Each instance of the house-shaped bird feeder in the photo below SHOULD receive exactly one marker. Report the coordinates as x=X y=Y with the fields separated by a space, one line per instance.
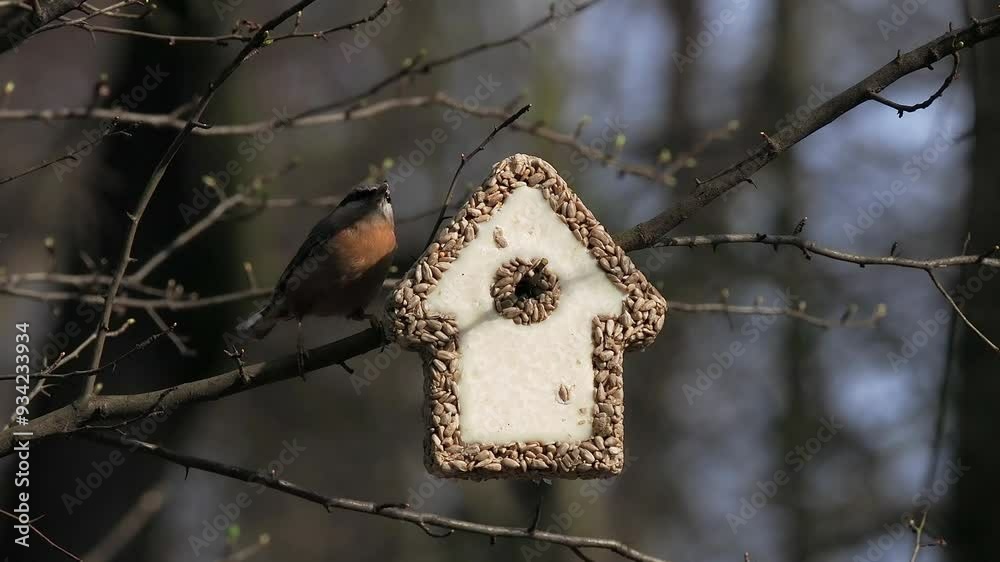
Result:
x=521 y=310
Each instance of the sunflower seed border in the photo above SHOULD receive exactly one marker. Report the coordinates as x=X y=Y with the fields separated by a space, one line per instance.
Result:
x=437 y=339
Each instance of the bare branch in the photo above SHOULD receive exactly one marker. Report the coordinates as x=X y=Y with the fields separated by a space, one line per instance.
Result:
x=186 y=236
x=116 y=408
x=68 y=156
x=664 y=176
x=797 y=313
x=126 y=256
x=647 y=233
x=961 y=314
x=399 y=512
x=222 y=40
x=52 y=543
x=463 y=160
x=17 y=25
x=809 y=248
x=64 y=358
x=135 y=406
x=901 y=108
x=48 y=373
x=415 y=68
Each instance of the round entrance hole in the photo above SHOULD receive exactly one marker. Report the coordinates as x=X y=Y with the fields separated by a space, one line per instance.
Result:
x=525 y=290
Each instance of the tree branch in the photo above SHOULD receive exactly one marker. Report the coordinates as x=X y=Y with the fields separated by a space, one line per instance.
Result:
x=958 y=310
x=399 y=512
x=18 y=24
x=154 y=181
x=415 y=67
x=647 y=233
x=810 y=247
x=222 y=40
x=52 y=543
x=117 y=408
x=796 y=313
x=68 y=156
x=901 y=108
x=663 y=176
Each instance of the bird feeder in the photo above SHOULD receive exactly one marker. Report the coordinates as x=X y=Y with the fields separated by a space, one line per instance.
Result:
x=521 y=310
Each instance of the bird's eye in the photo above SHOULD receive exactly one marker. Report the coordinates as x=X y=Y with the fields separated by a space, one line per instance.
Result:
x=388 y=197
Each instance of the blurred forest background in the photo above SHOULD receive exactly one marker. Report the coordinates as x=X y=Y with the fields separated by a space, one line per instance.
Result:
x=629 y=72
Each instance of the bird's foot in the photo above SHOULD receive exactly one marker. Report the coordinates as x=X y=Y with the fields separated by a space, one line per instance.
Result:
x=301 y=356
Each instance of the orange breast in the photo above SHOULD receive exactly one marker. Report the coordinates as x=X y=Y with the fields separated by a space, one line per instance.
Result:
x=363 y=245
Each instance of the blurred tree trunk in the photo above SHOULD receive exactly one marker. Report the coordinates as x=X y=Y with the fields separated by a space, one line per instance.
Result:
x=782 y=86
x=113 y=185
x=976 y=525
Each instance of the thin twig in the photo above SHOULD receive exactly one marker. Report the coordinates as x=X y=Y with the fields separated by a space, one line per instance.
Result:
x=126 y=255
x=919 y=531
x=47 y=374
x=464 y=159
x=902 y=108
x=810 y=247
x=182 y=347
x=648 y=232
x=315 y=118
x=221 y=40
x=419 y=518
x=757 y=310
x=428 y=66
x=127 y=407
x=41 y=385
x=185 y=237
x=68 y=156
x=961 y=314
x=54 y=545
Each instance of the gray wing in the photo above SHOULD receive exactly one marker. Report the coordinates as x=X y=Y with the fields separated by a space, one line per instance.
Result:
x=338 y=219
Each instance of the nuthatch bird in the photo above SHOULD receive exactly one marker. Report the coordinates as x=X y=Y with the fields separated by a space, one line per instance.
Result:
x=339 y=268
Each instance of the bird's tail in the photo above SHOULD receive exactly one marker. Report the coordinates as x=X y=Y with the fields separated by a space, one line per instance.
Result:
x=260 y=323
